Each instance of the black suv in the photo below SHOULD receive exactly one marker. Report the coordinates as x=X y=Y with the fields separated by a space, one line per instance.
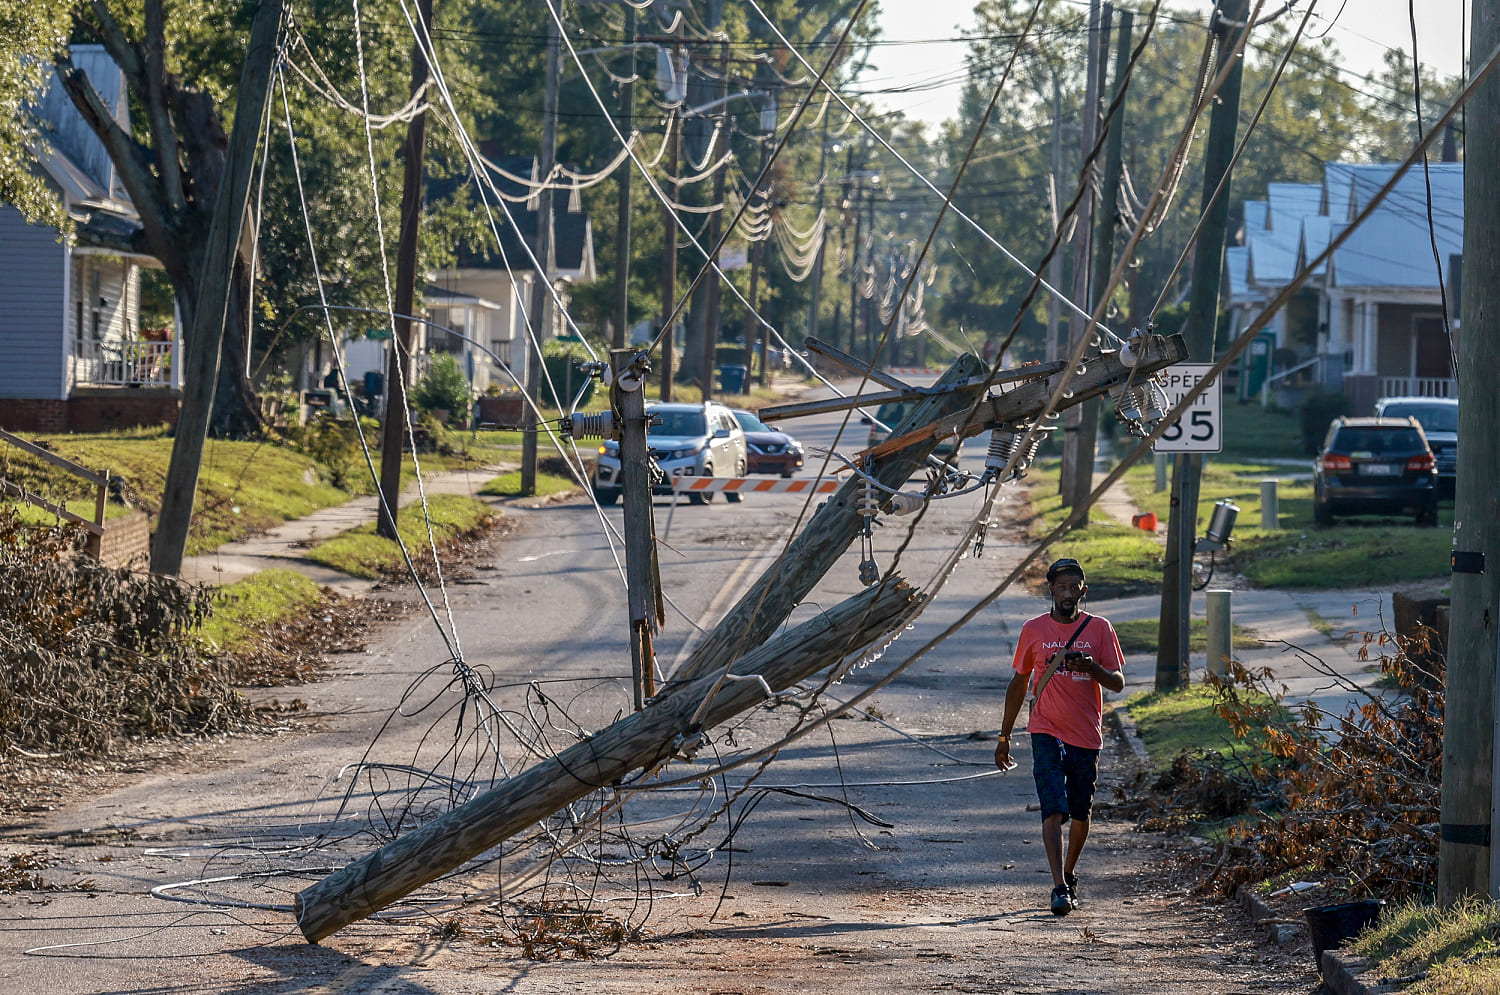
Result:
x=1375 y=466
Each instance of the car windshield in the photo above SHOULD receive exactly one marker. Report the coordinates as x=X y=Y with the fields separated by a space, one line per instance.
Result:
x=750 y=423
x=890 y=415
x=1432 y=417
x=683 y=423
x=1375 y=440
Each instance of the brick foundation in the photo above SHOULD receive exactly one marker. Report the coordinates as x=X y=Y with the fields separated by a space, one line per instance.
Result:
x=126 y=541
x=91 y=410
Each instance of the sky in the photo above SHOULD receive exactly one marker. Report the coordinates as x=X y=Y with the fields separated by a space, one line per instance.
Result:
x=1363 y=29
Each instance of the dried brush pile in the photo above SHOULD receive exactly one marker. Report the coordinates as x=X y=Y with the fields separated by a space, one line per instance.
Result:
x=1351 y=800
x=94 y=655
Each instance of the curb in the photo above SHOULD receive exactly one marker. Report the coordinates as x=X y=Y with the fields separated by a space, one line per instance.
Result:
x=1341 y=972
x=1129 y=733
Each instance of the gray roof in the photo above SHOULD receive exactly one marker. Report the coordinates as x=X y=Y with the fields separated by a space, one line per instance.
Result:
x=1393 y=247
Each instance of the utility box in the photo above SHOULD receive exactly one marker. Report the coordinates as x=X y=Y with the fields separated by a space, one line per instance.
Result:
x=1256 y=366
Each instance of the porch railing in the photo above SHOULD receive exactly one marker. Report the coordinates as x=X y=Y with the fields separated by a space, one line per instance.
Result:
x=1418 y=387
x=122 y=364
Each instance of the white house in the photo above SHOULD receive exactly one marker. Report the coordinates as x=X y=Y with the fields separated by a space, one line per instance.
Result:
x=1370 y=321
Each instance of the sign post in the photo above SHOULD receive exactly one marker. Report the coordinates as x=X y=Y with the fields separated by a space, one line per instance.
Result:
x=1200 y=429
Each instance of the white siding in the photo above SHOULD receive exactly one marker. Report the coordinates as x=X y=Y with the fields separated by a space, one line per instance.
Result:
x=33 y=331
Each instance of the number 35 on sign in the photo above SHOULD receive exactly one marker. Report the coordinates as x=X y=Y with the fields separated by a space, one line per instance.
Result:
x=1199 y=429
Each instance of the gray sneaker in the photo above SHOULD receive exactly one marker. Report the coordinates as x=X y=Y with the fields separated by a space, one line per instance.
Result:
x=1062 y=902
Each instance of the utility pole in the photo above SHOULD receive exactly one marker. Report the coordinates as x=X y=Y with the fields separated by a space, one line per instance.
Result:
x=815 y=292
x=757 y=252
x=627 y=398
x=854 y=252
x=1083 y=232
x=398 y=371
x=622 y=215
x=669 y=254
x=1104 y=254
x=1203 y=315
x=540 y=314
x=713 y=281
x=1055 y=266
x=869 y=302
x=1467 y=857
x=213 y=304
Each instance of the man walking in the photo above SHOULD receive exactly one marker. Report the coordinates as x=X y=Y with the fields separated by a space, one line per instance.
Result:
x=1065 y=656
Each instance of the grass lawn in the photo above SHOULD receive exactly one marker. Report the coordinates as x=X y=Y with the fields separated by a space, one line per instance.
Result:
x=1120 y=560
x=1367 y=551
x=243 y=487
x=260 y=599
x=1139 y=636
x=1173 y=721
x=360 y=552
x=509 y=485
x=1447 y=951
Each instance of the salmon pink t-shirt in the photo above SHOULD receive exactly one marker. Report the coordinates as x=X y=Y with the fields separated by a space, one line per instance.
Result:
x=1072 y=704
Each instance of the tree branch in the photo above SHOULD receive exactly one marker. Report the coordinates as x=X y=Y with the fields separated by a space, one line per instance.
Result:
x=123 y=150
x=154 y=97
x=116 y=42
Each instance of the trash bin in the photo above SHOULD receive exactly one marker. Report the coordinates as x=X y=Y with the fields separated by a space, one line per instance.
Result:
x=1330 y=925
x=732 y=379
x=374 y=384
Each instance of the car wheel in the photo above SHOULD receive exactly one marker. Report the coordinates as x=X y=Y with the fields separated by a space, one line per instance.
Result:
x=734 y=497
x=606 y=497
x=1428 y=516
x=1322 y=515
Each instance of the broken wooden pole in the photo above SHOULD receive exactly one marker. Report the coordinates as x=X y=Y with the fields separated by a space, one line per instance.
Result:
x=640 y=740
x=828 y=534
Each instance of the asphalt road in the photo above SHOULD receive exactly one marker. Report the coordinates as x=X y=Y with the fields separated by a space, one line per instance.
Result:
x=882 y=851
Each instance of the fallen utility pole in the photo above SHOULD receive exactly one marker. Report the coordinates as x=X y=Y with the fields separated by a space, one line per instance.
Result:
x=827 y=535
x=639 y=741
x=946 y=411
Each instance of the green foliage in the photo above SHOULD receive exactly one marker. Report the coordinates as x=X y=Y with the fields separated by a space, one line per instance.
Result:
x=443 y=387
x=1318 y=410
x=1188 y=721
x=334 y=443
x=30 y=30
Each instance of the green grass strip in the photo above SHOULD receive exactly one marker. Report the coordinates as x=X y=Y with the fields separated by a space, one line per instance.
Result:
x=509 y=485
x=360 y=552
x=258 y=600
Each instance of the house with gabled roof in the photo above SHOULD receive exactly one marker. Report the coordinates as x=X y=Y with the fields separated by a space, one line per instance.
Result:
x=77 y=358
x=489 y=288
x=1371 y=321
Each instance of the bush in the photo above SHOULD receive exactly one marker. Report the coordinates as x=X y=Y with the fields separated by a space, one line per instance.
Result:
x=444 y=387
x=1318 y=410
x=561 y=357
x=334 y=444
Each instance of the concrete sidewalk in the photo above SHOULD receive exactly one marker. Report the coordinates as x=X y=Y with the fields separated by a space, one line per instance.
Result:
x=1311 y=640
x=285 y=545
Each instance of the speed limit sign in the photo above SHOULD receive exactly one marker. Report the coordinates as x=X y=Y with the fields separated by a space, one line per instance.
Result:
x=1199 y=430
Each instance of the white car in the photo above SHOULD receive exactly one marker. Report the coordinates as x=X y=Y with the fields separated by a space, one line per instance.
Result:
x=687 y=440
